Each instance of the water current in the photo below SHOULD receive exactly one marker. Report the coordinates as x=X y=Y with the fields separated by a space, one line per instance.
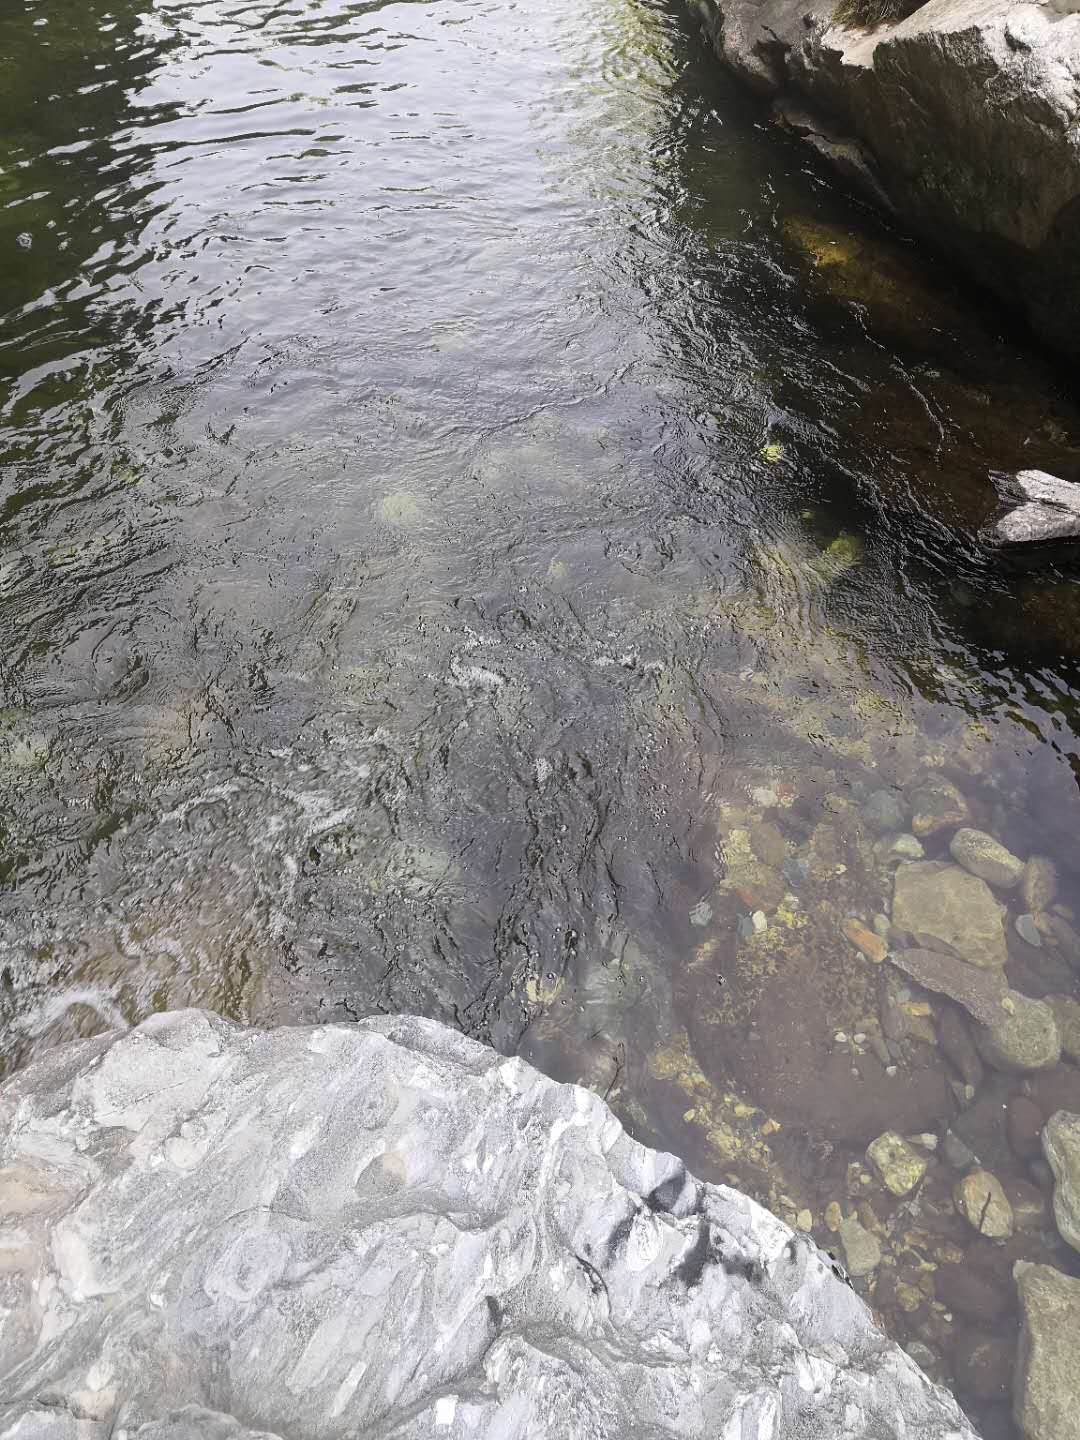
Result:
x=488 y=529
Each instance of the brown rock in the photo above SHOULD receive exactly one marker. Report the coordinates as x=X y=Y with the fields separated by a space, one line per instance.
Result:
x=979 y=1197
x=936 y=899
x=1024 y=1122
x=865 y=941
x=937 y=804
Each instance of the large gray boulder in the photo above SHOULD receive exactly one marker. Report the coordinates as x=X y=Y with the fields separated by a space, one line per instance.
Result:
x=389 y=1230
x=964 y=118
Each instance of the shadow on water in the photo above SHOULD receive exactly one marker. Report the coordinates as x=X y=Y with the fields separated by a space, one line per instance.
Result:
x=489 y=530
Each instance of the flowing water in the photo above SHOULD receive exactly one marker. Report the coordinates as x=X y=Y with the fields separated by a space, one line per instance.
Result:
x=489 y=530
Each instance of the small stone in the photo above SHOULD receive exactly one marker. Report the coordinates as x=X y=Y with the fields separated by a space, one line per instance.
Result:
x=765 y=797
x=881 y=925
x=759 y=922
x=884 y=810
x=899 y=1166
x=954 y=1037
x=833 y=1216
x=1040 y=883
x=1067 y=1014
x=865 y=941
x=928 y=1140
x=862 y=1252
x=984 y=1204
x=1044 y=1402
x=804 y=1220
x=1025 y=1038
x=907 y=847
x=937 y=805
x=1028 y=931
x=983 y=856
x=948 y=904
x=840 y=1037
x=701 y=914
x=1023 y=1123
x=908 y=1297
x=1061 y=1146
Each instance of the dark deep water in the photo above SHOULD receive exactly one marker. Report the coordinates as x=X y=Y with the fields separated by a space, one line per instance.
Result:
x=480 y=518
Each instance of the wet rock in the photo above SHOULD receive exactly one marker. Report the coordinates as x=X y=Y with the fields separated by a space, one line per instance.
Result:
x=865 y=941
x=701 y=914
x=1042 y=508
x=768 y=844
x=949 y=904
x=1040 y=883
x=1025 y=1038
x=937 y=805
x=954 y=1037
x=862 y=1252
x=1067 y=1014
x=984 y=1205
x=983 y=1365
x=899 y=1165
x=972 y=1291
x=983 y=856
x=979 y=992
x=1028 y=931
x=899 y=848
x=1048 y=1360
x=884 y=810
x=1024 y=1122
x=359 y=1230
x=1061 y=1146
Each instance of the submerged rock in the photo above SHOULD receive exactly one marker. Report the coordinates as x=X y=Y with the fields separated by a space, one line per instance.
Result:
x=983 y=856
x=984 y=1204
x=1061 y=1146
x=980 y=992
x=897 y=1162
x=862 y=1250
x=1067 y=1014
x=944 y=902
x=1024 y=1038
x=388 y=1228
x=937 y=805
x=1048 y=1361
x=1040 y=883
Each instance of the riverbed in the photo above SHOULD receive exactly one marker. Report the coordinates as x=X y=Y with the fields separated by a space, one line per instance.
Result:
x=489 y=529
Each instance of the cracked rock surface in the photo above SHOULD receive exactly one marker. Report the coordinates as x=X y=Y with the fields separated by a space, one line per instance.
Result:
x=964 y=118
x=390 y=1230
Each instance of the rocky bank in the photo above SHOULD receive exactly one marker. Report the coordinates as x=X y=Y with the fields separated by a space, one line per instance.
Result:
x=964 y=118
x=389 y=1230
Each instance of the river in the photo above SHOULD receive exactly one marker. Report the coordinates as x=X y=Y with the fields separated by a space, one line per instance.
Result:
x=489 y=529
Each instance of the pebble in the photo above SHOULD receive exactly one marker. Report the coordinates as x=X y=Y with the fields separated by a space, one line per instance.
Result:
x=764 y=796
x=759 y=922
x=804 y=1220
x=872 y=946
x=937 y=805
x=881 y=925
x=796 y=871
x=898 y=1164
x=983 y=856
x=1028 y=930
x=833 y=1216
x=907 y=847
x=862 y=1252
x=984 y=1204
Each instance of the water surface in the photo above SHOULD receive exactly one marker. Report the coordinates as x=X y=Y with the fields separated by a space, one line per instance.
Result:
x=481 y=515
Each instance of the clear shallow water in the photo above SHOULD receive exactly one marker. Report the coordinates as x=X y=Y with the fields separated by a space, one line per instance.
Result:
x=473 y=498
